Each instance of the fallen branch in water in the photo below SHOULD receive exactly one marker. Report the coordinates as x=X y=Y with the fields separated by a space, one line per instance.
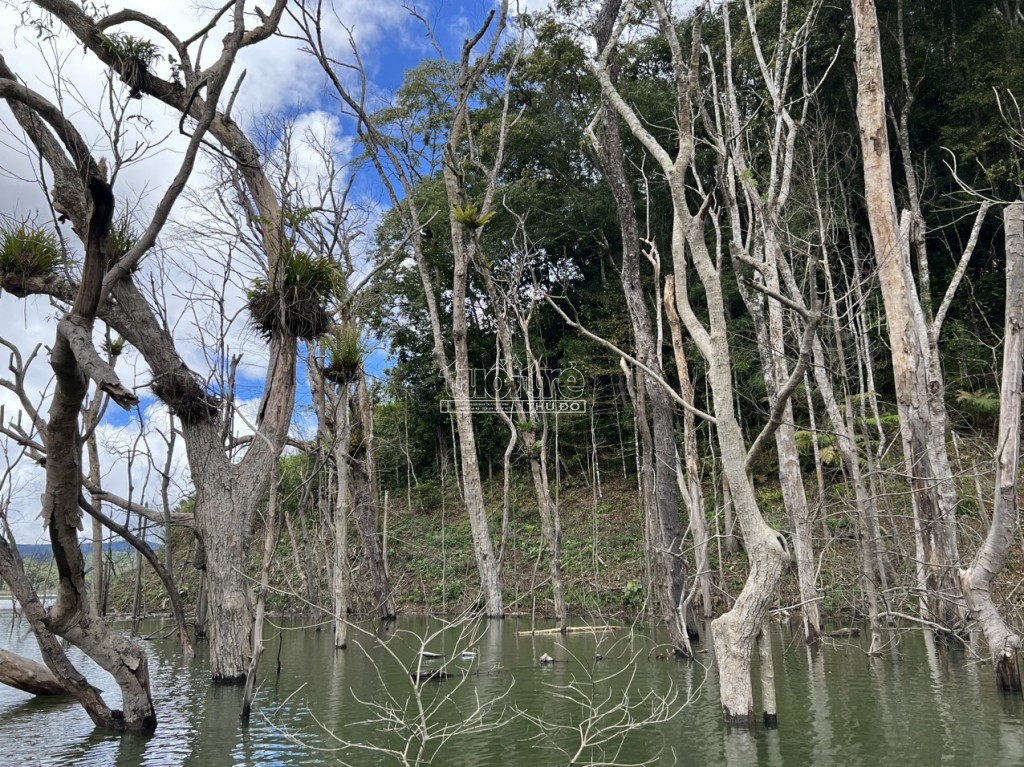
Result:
x=28 y=676
x=571 y=630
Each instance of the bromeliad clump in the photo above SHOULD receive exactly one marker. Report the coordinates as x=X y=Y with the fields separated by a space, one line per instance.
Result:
x=299 y=306
x=28 y=251
x=343 y=348
x=133 y=57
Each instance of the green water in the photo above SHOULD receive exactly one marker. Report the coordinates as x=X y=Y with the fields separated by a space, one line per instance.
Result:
x=918 y=705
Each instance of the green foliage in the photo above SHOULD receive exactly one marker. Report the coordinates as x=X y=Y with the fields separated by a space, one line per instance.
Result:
x=827 y=450
x=634 y=595
x=470 y=217
x=309 y=285
x=113 y=346
x=121 y=238
x=345 y=349
x=128 y=47
x=28 y=250
x=888 y=421
x=133 y=58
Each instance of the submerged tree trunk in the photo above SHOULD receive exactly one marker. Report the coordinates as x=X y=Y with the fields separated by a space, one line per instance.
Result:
x=466 y=246
x=735 y=633
x=771 y=349
x=270 y=537
x=74 y=361
x=976 y=581
x=28 y=676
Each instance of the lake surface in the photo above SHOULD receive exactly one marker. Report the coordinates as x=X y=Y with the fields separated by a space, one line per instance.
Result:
x=918 y=705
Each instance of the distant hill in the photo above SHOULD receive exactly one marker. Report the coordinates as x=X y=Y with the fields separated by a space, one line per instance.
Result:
x=43 y=550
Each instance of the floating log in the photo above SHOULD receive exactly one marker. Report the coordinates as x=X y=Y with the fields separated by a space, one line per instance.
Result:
x=570 y=630
x=28 y=676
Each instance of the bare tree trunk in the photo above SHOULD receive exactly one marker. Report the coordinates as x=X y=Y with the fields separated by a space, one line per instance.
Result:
x=401 y=172
x=770 y=710
x=735 y=633
x=466 y=245
x=692 y=490
x=226 y=492
x=756 y=200
x=342 y=505
x=97 y=564
x=771 y=349
x=366 y=495
x=663 y=515
x=976 y=581
x=270 y=538
x=69 y=677
x=28 y=676
x=74 y=362
x=922 y=421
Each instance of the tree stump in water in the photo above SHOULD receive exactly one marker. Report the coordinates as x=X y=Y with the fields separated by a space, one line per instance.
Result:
x=28 y=676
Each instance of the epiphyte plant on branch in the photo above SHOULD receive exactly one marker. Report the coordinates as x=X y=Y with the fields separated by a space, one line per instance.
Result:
x=134 y=56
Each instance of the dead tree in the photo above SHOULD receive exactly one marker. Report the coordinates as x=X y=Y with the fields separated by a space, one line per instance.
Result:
x=976 y=581
x=737 y=632
x=660 y=465
x=227 y=490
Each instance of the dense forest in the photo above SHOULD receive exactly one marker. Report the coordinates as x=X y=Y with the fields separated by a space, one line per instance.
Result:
x=707 y=312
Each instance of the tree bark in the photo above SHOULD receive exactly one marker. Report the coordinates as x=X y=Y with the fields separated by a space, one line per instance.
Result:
x=57 y=661
x=918 y=387
x=28 y=676
x=691 y=480
x=735 y=633
x=663 y=514
x=226 y=492
x=364 y=475
x=342 y=508
x=976 y=581
x=270 y=538
x=466 y=246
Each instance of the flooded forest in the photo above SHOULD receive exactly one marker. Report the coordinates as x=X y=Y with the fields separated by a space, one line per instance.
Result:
x=576 y=382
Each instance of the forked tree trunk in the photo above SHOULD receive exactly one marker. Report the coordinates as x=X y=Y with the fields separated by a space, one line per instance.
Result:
x=771 y=349
x=522 y=390
x=465 y=244
x=74 y=361
x=756 y=195
x=976 y=581
x=735 y=633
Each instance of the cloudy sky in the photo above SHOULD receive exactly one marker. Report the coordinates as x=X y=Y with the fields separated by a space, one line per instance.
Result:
x=280 y=80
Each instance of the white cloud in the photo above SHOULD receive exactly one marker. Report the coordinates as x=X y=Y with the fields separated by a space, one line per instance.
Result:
x=190 y=275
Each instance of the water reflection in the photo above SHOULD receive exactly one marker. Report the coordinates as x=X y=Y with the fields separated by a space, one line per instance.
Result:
x=919 y=704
